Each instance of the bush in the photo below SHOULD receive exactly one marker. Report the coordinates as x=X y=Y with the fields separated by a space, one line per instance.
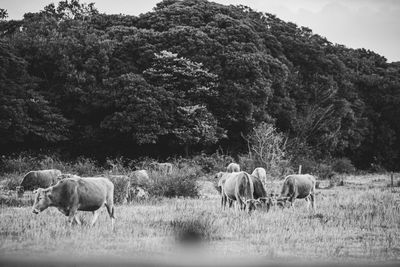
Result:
x=12 y=181
x=181 y=182
x=120 y=165
x=213 y=163
x=85 y=167
x=343 y=165
x=20 y=164
x=324 y=171
x=121 y=188
x=307 y=166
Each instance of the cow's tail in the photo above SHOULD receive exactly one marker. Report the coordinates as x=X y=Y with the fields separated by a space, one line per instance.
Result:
x=249 y=189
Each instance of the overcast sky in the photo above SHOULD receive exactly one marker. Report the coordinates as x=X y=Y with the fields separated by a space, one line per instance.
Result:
x=371 y=24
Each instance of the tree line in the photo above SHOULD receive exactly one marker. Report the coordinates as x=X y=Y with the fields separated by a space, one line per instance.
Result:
x=190 y=76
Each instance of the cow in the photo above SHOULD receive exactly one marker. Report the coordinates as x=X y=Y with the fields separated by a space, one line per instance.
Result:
x=233 y=167
x=35 y=179
x=259 y=194
x=72 y=194
x=260 y=173
x=140 y=178
x=162 y=167
x=301 y=186
x=258 y=190
x=238 y=186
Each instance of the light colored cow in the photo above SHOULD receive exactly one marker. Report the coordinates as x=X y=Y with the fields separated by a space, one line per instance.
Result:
x=233 y=167
x=238 y=187
x=139 y=178
x=73 y=194
x=300 y=186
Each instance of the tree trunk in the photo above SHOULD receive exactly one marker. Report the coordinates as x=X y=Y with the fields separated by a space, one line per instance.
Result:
x=187 y=150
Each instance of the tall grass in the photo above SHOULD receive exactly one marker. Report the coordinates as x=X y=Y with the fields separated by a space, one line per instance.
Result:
x=351 y=223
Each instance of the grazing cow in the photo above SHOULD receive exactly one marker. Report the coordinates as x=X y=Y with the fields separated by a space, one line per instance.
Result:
x=238 y=186
x=233 y=167
x=258 y=190
x=300 y=186
x=260 y=173
x=259 y=194
x=35 y=179
x=73 y=194
x=162 y=167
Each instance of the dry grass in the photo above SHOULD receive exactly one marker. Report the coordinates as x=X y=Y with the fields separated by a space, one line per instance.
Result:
x=355 y=222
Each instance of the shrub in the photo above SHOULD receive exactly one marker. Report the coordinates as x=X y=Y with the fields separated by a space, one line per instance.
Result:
x=343 y=165
x=307 y=165
x=120 y=165
x=324 y=171
x=85 y=167
x=181 y=182
x=213 y=163
x=21 y=164
x=12 y=181
x=121 y=188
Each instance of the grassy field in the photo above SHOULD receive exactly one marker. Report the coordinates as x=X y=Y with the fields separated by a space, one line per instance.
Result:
x=359 y=221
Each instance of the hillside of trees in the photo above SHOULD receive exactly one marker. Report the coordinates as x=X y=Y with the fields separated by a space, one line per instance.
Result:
x=191 y=76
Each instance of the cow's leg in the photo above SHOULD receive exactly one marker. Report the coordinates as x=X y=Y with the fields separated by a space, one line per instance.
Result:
x=230 y=203
x=110 y=210
x=76 y=219
x=307 y=199
x=96 y=214
x=223 y=201
x=72 y=217
x=312 y=198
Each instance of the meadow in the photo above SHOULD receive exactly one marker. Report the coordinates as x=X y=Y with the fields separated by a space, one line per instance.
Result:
x=358 y=222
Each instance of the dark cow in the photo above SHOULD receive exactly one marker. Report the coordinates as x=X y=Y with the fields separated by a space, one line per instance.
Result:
x=238 y=187
x=233 y=167
x=259 y=194
x=35 y=179
x=260 y=173
x=73 y=194
x=300 y=186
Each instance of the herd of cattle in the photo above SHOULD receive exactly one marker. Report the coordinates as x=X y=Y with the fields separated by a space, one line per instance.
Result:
x=70 y=193
x=248 y=193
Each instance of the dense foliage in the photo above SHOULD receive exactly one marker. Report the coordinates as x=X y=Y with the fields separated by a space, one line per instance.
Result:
x=190 y=76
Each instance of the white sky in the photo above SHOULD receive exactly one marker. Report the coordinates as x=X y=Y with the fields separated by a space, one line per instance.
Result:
x=371 y=24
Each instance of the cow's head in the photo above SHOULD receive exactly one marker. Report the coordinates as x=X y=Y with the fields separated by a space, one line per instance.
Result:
x=42 y=199
x=252 y=204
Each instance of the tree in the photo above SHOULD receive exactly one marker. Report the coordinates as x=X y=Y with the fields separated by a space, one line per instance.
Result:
x=188 y=87
x=267 y=147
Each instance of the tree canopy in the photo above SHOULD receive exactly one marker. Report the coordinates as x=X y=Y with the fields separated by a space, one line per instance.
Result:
x=191 y=76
